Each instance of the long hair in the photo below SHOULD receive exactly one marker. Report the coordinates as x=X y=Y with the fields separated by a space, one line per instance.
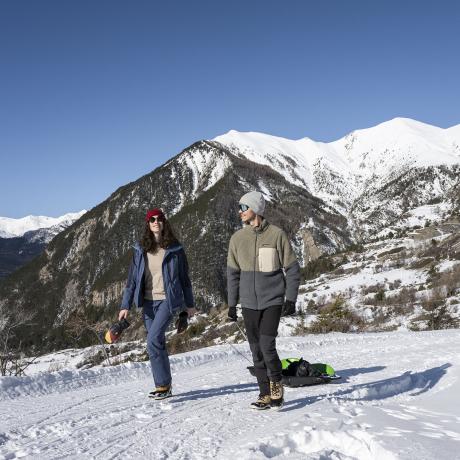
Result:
x=148 y=242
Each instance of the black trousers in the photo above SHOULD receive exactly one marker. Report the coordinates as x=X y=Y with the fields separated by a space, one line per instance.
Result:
x=262 y=329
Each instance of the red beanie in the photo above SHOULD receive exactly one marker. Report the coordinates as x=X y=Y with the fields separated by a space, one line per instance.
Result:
x=154 y=212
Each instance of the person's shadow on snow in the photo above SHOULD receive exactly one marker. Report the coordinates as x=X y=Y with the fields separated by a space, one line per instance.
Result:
x=345 y=374
x=213 y=392
x=417 y=383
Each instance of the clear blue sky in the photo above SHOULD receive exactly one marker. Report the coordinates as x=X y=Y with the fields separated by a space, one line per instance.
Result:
x=94 y=94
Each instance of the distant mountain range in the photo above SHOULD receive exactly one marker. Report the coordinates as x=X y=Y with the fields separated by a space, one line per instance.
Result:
x=327 y=196
x=23 y=239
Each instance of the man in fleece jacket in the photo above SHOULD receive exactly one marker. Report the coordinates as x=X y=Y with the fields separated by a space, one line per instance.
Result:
x=263 y=275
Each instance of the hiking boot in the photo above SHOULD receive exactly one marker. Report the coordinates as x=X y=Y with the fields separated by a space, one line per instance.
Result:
x=161 y=392
x=276 y=394
x=262 y=403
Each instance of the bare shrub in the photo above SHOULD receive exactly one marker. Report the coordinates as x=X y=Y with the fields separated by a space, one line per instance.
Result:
x=202 y=334
x=390 y=252
x=12 y=361
x=380 y=295
x=339 y=271
x=335 y=316
x=380 y=320
x=432 y=250
x=405 y=296
x=79 y=326
x=394 y=285
x=400 y=303
x=421 y=263
x=312 y=307
x=450 y=280
x=438 y=318
x=371 y=289
x=436 y=314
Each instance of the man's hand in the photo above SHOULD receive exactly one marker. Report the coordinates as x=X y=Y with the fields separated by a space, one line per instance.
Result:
x=123 y=314
x=288 y=308
x=231 y=315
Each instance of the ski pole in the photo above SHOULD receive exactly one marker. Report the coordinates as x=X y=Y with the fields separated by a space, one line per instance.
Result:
x=238 y=351
x=241 y=330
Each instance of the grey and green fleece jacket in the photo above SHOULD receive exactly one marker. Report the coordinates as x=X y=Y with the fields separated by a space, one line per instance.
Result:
x=255 y=263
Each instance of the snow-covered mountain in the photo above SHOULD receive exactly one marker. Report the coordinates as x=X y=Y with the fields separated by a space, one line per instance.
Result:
x=12 y=228
x=327 y=196
x=349 y=173
x=23 y=239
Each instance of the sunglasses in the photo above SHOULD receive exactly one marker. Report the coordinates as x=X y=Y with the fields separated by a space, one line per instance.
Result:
x=243 y=207
x=155 y=219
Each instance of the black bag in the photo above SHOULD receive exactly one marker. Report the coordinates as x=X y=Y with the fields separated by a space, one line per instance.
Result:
x=301 y=368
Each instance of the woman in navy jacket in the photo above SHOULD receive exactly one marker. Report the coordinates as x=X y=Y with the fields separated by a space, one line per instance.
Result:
x=158 y=282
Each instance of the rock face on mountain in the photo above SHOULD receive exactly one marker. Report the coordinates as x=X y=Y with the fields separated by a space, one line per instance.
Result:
x=326 y=197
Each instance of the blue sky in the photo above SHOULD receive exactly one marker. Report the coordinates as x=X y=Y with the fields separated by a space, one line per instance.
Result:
x=94 y=94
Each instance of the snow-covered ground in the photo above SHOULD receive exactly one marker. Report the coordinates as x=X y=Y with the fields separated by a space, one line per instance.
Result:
x=398 y=398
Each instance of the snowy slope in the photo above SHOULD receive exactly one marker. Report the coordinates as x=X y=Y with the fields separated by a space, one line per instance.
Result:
x=10 y=228
x=398 y=398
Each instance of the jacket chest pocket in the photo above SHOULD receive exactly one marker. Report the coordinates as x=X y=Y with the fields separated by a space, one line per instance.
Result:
x=269 y=260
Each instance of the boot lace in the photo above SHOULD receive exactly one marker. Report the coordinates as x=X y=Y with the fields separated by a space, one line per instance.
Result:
x=276 y=388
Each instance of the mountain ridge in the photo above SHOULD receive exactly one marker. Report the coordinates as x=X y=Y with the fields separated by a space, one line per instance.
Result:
x=13 y=228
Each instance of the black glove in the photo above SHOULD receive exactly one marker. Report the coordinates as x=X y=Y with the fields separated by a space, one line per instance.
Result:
x=288 y=308
x=232 y=316
x=182 y=322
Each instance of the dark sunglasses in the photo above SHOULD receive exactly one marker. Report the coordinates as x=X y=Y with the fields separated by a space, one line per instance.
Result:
x=155 y=219
x=243 y=207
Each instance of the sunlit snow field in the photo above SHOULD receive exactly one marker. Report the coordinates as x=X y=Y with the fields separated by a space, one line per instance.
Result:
x=399 y=397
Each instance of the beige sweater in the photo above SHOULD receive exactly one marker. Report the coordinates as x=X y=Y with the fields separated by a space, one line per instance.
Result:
x=154 y=287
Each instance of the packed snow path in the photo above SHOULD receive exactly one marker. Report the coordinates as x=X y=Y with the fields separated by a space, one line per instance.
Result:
x=399 y=397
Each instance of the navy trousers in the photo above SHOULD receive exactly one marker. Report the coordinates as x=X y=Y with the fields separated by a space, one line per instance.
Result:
x=156 y=319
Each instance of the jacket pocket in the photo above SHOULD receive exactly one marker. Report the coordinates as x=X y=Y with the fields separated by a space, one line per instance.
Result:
x=269 y=260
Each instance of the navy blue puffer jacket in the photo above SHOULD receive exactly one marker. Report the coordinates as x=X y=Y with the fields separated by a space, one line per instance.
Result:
x=177 y=285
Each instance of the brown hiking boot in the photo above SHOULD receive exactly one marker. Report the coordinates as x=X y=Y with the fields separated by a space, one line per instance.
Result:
x=263 y=402
x=276 y=394
x=161 y=392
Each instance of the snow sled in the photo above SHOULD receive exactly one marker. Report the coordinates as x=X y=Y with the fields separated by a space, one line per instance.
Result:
x=299 y=373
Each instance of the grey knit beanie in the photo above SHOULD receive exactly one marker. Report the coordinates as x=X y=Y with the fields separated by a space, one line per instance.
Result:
x=255 y=200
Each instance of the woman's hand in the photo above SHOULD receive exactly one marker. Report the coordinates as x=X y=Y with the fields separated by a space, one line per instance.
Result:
x=123 y=314
x=191 y=311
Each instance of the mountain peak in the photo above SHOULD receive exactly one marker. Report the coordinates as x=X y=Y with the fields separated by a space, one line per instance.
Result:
x=409 y=123
x=11 y=228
